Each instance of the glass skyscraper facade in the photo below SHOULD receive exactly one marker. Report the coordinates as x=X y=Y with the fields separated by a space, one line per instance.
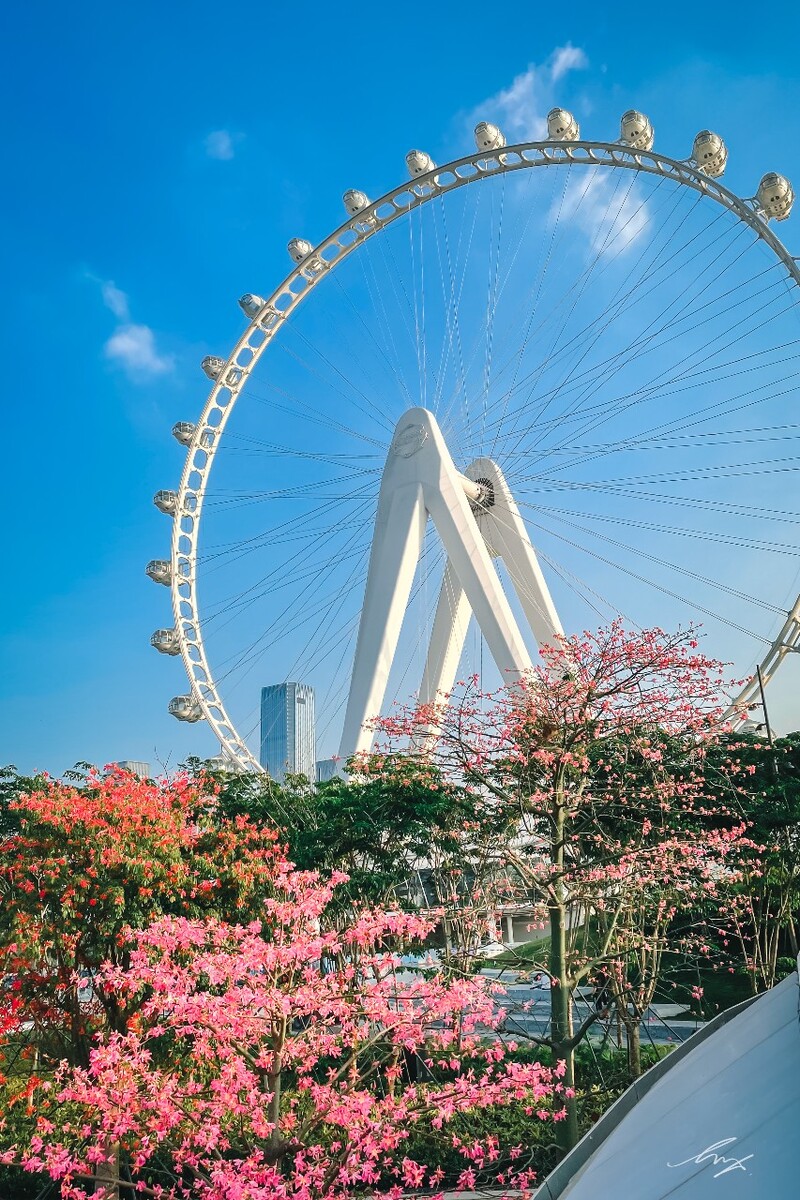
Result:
x=288 y=742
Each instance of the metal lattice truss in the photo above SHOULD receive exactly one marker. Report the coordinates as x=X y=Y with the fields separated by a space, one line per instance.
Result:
x=787 y=641
x=424 y=481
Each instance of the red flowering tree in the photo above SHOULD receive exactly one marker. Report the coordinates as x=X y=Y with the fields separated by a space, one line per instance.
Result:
x=277 y=1060
x=79 y=866
x=596 y=761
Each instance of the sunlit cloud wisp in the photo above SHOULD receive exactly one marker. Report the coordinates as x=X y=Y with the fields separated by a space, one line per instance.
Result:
x=133 y=347
x=521 y=108
x=221 y=144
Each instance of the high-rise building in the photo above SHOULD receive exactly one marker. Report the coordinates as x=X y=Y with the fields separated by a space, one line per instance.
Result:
x=288 y=743
x=142 y=769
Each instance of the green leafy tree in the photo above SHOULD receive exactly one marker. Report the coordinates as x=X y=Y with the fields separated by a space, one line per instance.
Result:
x=386 y=826
x=766 y=791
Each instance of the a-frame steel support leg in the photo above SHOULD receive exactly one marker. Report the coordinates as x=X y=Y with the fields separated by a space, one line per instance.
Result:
x=421 y=480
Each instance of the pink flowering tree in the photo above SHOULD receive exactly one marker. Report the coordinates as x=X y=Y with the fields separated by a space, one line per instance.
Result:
x=279 y=1059
x=595 y=761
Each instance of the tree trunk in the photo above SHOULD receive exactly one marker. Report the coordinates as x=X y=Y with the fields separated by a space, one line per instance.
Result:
x=561 y=1024
x=567 y=1130
x=634 y=1044
x=107 y=1173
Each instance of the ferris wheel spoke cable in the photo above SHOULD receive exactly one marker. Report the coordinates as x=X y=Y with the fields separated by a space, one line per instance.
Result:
x=574 y=345
x=449 y=416
x=554 y=315
x=647 y=346
x=397 y=283
x=236 y=550
x=643 y=396
x=310 y=644
x=417 y=334
x=688 y=319
x=695 y=474
x=451 y=331
x=492 y=280
x=335 y=695
x=539 y=282
x=250 y=446
x=727 y=508
x=286 y=533
x=451 y=302
x=388 y=349
x=665 y=437
x=302 y=598
x=726 y=407
x=768 y=394
x=351 y=353
x=233 y=499
x=681 y=531
x=661 y=263
x=230 y=605
x=378 y=414
x=297 y=407
x=673 y=567
x=583 y=590
x=654 y=585
x=525 y=216
x=468 y=427
x=290 y=616
x=587 y=274
x=319 y=414
x=691 y=377
x=291 y=613
x=647 y=343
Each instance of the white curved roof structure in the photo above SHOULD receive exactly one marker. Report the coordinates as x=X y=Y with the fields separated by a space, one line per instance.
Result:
x=718 y=1117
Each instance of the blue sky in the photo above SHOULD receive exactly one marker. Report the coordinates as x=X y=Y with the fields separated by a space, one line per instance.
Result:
x=158 y=158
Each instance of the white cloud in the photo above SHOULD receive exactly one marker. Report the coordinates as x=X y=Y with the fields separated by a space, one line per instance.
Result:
x=521 y=109
x=115 y=299
x=611 y=216
x=133 y=347
x=567 y=58
x=221 y=144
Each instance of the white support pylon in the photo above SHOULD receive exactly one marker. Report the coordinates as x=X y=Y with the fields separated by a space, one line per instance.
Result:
x=421 y=480
x=503 y=529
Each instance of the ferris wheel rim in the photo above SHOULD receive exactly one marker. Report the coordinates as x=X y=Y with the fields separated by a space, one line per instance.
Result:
x=301 y=281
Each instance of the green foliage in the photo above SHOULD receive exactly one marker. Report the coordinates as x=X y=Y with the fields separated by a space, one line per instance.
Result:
x=376 y=827
x=604 y=1077
x=12 y=786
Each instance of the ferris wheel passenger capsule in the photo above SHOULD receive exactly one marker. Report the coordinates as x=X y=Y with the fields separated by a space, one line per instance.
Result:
x=212 y=366
x=299 y=248
x=185 y=708
x=354 y=201
x=710 y=153
x=418 y=162
x=165 y=641
x=775 y=196
x=166 y=502
x=159 y=571
x=488 y=136
x=562 y=126
x=183 y=432
x=636 y=131
x=251 y=305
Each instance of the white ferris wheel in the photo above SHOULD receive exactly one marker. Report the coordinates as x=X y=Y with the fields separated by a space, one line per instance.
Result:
x=524 y=392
